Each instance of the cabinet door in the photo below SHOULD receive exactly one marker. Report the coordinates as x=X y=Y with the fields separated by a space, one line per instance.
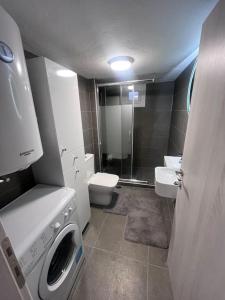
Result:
x=81 y=184
x=76 y=178
x=78 y=182
x=66 y=106
x=68 y=159
x=81 y=189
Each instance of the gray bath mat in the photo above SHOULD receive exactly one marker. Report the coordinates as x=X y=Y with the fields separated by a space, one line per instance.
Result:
x=119 y=204
x=147 y=230
x=146 y=215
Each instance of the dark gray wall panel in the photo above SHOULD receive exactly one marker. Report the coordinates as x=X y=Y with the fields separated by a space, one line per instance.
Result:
x=179 y=113
x=19 y=183
x=88 y=114
x=152 y=128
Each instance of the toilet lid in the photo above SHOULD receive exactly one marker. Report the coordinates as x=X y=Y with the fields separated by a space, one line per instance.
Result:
x=104 y=179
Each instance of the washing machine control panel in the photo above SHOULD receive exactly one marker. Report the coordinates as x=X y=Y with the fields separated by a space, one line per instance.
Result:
x=32 y=256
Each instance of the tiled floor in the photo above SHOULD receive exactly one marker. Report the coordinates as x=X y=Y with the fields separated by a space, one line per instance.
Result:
x=118 y=269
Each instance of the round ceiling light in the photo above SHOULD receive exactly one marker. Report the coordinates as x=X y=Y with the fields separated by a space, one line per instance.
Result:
x=121 y=63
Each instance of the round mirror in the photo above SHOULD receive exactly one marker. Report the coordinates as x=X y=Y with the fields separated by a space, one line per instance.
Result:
x=190 y=87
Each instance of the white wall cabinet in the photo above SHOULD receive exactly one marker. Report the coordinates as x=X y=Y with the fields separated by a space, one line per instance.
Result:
x=57 y=105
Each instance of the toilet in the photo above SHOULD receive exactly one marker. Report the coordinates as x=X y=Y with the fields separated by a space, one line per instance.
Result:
x=100 y=185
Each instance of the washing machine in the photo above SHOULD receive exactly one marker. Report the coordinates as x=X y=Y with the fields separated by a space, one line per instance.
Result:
x=43 y=235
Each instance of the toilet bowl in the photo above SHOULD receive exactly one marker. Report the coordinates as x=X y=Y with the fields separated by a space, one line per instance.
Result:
x=100 y=185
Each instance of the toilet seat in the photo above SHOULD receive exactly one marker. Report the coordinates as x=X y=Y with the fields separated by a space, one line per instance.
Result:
x=104 y=180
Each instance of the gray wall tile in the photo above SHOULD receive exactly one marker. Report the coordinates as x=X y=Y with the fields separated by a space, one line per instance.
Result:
x=179 y=114
x=19 y=183
x=152 y=125
x=88 y=115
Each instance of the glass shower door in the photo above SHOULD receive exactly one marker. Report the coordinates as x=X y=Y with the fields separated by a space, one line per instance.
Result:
x=116 y=117
x=133 y=101
x=134 y=128
x=122 y=110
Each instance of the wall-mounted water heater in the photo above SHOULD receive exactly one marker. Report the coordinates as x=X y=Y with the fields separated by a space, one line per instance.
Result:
x=20 y=143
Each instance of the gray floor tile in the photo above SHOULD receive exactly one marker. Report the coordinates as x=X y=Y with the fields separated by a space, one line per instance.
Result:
x=165 y=208
x=90 y=236
x=158 y=256
x=92 y=232
x=171 y=205
x=168 y=224
x=97 y=217
x=134 y=250
x=130 y=280
x=159 y=284
x=112 y=233
x=87 y=251
x=97 y=281
x=118 y=269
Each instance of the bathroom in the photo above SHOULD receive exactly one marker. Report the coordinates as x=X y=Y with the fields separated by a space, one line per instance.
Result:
x=116 y=191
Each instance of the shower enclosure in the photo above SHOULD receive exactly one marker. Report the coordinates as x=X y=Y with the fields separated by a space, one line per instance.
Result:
x=128 y=128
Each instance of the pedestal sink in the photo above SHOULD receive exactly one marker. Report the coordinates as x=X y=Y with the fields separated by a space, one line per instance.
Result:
x=164 y=182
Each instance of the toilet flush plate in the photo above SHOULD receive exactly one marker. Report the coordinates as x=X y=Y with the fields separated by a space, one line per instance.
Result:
x=164 y=182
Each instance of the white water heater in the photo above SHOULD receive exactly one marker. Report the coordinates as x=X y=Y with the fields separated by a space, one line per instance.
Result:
x=20 y=142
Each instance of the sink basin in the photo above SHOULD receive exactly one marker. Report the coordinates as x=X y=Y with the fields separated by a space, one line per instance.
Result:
x=164 y=182
x=172 y=162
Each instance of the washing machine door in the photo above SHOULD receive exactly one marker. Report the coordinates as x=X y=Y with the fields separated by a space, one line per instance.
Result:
x=60 y=263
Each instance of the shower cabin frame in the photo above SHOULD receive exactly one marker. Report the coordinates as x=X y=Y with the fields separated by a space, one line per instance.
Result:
x=120 y=84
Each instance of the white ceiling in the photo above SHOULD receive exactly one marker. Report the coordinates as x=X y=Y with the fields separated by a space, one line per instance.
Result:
x=85 y=34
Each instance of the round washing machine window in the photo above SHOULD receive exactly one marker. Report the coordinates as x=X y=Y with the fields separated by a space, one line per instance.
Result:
x=61 y=258
x=60 y=263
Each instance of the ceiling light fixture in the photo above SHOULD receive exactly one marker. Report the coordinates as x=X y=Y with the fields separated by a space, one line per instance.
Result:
x=65 y=73
x=130 y=87
x=121 y=63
